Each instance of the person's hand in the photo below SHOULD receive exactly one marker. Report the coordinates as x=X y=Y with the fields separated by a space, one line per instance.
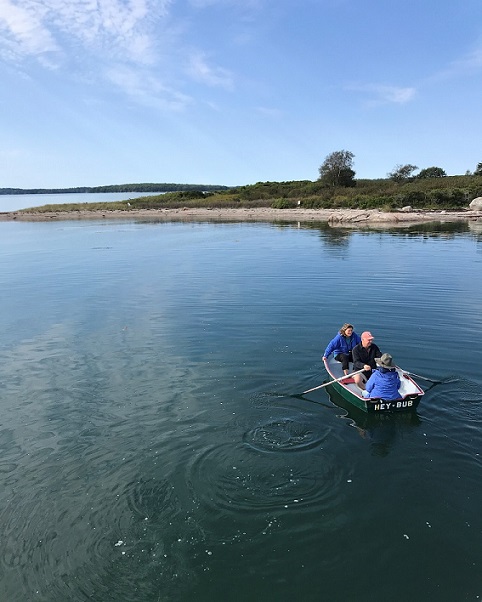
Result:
x=323 y=358
x=367 y=367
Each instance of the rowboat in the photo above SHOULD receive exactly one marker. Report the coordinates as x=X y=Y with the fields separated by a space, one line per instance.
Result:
x=410 y=392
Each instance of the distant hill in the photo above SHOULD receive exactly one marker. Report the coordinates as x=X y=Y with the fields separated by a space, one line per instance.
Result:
x=145 y=187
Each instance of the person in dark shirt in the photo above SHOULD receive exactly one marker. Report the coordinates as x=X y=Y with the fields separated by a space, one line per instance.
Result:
x=364 y=356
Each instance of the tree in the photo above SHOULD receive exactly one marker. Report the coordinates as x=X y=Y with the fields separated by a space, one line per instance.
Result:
x=402 y=172
x=431 y=172
x=478 y=170
x=337 y=169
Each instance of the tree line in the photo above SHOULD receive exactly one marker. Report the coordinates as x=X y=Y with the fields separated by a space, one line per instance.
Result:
x=145 y=187
x=337 y=170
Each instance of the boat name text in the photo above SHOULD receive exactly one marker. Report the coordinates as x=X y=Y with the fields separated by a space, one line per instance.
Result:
x=393 y=405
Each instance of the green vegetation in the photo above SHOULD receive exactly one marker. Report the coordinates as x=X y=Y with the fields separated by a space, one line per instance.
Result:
x=401 y=173
x=448 y=193
x=432 y=172
x=336 y=188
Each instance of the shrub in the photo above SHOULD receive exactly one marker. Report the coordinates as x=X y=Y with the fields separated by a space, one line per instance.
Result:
x=283 y=204
x=415 y=198
x=459 y=198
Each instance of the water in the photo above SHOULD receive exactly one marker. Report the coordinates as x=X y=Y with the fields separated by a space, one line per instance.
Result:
x=153 y=443
x=15 y=202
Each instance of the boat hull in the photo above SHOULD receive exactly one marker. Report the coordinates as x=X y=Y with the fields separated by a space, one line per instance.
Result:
x=377 y=406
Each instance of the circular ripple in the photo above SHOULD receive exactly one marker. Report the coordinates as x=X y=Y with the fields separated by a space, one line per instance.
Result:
x=152 y=500
x=282 y=435
x=231 y=479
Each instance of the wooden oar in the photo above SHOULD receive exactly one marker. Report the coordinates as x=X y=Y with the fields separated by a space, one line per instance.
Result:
x=333 y=381
x=422 y=377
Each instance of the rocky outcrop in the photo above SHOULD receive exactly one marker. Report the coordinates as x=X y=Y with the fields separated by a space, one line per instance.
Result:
x=359 y=217
x=476 y=204
x=351 y=218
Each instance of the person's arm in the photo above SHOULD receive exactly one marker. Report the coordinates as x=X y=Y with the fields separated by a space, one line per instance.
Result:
x=330 y=347
x=373 y=353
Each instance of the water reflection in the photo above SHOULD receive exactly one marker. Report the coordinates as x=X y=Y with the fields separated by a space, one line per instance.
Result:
x=338 y=236
x=426 y=229
x=344 y=230
x=380 y=431
x=476 y=228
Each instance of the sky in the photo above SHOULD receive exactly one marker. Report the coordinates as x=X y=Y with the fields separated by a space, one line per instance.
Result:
x=234 y=92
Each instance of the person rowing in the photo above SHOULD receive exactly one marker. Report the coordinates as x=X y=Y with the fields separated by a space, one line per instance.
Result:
x=364 y=356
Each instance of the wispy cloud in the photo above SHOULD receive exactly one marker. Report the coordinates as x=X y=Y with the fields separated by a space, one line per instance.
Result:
x=37 y=28
x=23 y=32
x=384 y=94
x=270 y=112
x=146 y=89
x=199 y=70
x=466 y=65
x=113 y=40
x=474 y=59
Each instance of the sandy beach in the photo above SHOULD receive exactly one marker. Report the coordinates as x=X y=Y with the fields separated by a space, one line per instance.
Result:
x=341 y=217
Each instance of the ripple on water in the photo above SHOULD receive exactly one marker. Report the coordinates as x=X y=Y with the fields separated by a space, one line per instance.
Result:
x=152 y=500
x=102 y=542
x=238 y=479
x=461 y=398
x=283 y=435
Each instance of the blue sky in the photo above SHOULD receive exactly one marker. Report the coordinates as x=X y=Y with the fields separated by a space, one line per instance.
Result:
x=234 y=92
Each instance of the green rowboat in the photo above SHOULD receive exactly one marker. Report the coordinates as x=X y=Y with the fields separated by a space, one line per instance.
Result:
x=410 y=392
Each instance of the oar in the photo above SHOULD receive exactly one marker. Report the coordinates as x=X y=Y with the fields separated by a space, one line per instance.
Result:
x=333 y=381
x=430 y=380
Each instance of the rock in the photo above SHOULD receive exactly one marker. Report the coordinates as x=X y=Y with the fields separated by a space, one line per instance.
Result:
x=359 y=217
x=379 y=217
x=407 y=209
x=476 y=204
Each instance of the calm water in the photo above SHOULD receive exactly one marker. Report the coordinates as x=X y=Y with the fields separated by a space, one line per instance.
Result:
x=152 y=444
x=15 y=202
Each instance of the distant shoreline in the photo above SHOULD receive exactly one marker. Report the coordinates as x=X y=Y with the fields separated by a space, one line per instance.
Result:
x=341 y=217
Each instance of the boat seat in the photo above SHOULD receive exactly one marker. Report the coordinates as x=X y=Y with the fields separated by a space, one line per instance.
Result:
x=348 y=381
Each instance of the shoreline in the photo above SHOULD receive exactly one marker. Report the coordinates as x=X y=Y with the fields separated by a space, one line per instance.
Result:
x=335 y=217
